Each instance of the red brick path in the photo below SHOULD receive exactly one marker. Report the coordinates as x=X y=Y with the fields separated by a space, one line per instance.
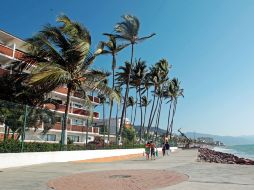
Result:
x=118 y=180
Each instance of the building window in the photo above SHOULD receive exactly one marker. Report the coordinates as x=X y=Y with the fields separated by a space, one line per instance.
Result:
x=73 y=138
x=77 y=122
x=77 y=105
x=51 y=137
x=58 y=119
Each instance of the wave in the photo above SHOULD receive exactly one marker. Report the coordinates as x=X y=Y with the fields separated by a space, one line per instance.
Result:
x=245 y=151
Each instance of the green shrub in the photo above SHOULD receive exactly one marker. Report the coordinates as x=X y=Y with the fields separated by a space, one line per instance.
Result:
x=14 y=146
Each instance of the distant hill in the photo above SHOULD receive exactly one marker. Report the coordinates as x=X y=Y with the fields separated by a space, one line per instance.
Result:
x=227 y=140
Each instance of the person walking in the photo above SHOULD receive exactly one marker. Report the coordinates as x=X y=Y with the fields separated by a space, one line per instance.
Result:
x=167 y=148
x=147 y=150
x=163 y=149
x=153 y=146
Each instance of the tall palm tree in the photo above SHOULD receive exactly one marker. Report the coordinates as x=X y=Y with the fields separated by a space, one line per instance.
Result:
x=122 y=77
x=168 y=94
x=176 y=93
x=158 y=76
x=111 y=48
x=138 y=75
x=127 y=30
x=61 y=54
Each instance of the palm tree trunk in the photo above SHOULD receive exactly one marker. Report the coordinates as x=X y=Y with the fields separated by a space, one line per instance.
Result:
x=117 y=125
x=104 y=127
x=135 y=113
x=64 y=126
x=143 y=126
x=153 y=114
x=131 y=113
x=158 y=120
x=169 y=113
x=113 y=86
x=148 y=127
x=141 y=115
x=172 y=120
x=126 y=91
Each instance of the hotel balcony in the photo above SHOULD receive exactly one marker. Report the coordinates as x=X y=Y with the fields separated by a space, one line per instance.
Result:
x=62 y=91
x=77 y=111
x=8 y=54
x=77 y=128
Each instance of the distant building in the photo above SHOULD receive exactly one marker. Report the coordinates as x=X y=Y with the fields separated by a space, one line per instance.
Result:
x=113 y=123
x=207 y=140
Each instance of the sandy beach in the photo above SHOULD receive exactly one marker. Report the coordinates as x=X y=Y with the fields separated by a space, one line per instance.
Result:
x=200 y=175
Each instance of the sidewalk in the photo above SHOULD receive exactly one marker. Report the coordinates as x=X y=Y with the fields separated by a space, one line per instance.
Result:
x=208 y=176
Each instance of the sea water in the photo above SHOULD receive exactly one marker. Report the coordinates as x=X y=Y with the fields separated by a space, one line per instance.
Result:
x=244 y=151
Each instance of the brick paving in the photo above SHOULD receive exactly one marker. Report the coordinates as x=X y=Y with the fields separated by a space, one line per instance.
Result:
x=118 y=180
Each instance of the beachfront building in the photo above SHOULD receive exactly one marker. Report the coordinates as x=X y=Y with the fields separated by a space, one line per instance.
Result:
x=114 y=125
x=78 y=129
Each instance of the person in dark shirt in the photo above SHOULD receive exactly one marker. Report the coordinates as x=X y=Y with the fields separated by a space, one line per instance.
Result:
x=167 y=148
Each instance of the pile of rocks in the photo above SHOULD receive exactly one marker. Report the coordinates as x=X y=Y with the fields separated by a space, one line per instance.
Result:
x=209 y=155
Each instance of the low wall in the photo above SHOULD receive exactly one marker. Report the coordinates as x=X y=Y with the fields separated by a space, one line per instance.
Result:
x=8 y=160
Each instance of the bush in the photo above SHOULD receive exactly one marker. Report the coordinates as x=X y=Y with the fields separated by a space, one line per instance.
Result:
x=14 y=146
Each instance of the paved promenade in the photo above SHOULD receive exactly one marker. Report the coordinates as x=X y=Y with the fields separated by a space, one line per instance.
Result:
x=198 y=176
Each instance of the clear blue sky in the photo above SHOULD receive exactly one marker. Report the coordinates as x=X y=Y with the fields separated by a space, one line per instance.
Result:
x=209 y=43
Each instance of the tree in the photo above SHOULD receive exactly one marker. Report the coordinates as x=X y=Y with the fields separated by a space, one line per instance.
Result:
x=145 y=103
x=62 y=57
x=131 y=103
x=111 y=48
x=138 y=75
x=128 y=135
x=127 y=30
x=103 y=100
x=158 y=76
x=13 y=116
x=176 y=93
x=122 y=77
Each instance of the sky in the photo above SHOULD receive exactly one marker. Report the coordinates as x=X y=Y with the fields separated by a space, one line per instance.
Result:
x=210 y=45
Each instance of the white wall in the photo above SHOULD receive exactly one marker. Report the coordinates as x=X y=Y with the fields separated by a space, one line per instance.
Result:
x=8 y=160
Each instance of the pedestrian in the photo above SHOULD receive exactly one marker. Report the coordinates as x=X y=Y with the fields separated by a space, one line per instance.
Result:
x=153 y=146
x=163 y=149
x=167 y=148
x=147 y=150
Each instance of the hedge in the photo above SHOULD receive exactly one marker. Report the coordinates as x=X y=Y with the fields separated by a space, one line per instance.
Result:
x=14 y=146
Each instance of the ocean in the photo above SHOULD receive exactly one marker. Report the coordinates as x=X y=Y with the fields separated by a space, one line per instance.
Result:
x=244 y=151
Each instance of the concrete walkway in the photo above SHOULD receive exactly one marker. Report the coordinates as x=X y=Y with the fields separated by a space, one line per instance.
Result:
x=202 y=176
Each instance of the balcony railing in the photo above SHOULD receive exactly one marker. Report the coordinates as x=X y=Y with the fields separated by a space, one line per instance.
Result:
x=64 y=90
x=9 y=52
x=77 y=128
x=71 y=110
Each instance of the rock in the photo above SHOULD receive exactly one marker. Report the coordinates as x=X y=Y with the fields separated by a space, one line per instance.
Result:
x=208 y=155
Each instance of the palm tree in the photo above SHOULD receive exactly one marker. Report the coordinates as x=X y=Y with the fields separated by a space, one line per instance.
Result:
x=118 y=91
x=62 y=57
x=158 y=76
x=102 y=102
x=168 y=94
x=176 y=93
x=131 y=103
x=145 y=103
x=128 y=31
x=111 y=48
x=138 y=75
x=122 y=78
